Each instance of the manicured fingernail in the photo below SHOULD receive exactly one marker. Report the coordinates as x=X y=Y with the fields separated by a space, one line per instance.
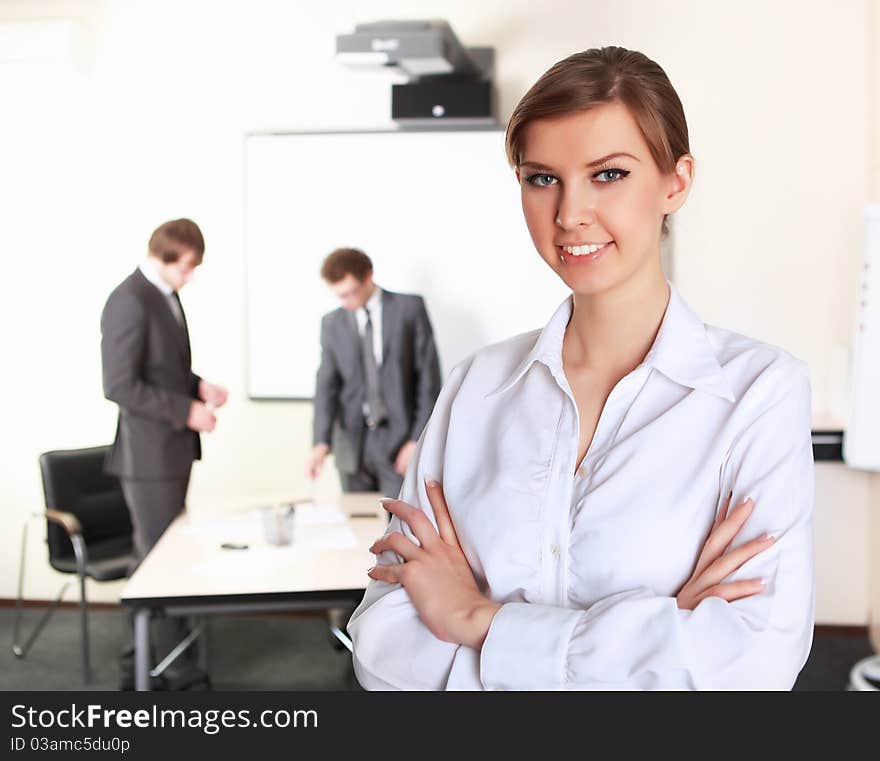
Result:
x=431 y=482
x=768 y=538
x=385 y=500
x=370 y=569
x=763 y=582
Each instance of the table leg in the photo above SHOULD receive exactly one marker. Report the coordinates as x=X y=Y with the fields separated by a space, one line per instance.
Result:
x=142 y=649
x=205 y=644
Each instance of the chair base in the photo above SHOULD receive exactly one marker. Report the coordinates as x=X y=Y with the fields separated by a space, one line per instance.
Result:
x=19 y=650
x=865 y=675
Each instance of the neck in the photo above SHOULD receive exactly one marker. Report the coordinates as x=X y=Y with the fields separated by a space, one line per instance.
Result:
x=611 y=332
x=156 y=266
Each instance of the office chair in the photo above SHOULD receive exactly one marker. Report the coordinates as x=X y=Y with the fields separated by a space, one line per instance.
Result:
x=88 y=533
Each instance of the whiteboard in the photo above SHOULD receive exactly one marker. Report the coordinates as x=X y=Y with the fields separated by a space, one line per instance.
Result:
x=439 y=214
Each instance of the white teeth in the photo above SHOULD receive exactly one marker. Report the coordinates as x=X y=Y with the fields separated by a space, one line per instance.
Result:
x=583 y=250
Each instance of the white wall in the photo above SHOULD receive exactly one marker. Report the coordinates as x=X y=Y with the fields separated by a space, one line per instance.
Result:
x=147 y=122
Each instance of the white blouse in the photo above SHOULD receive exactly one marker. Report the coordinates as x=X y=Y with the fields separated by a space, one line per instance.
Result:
x=587 y=566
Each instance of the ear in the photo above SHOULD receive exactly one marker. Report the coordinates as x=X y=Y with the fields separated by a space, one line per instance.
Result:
x=679 y=184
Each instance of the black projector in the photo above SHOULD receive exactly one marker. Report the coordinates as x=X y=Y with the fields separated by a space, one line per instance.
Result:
x=442 y=99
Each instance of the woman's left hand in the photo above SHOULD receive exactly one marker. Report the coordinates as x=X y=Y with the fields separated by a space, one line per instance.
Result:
x=436 y=576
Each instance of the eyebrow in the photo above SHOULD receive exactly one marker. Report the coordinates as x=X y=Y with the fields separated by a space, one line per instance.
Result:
x=596 y=162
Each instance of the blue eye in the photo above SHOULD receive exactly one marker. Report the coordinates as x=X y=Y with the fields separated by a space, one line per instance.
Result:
x=541 y=179
x=611 y=175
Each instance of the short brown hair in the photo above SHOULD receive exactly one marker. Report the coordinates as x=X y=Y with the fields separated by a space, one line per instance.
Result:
x=605 y=75
x=169 y=240
x=346 y=261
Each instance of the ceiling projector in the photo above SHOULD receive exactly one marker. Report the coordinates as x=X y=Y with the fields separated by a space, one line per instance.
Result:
x=446 y=82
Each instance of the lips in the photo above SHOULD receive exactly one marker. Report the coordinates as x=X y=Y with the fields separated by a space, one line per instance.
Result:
x=570 y=258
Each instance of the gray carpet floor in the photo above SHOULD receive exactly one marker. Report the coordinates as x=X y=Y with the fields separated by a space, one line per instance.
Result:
x=246 y=653
x=278 y=653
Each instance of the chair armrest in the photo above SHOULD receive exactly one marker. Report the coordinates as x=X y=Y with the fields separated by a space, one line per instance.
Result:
x=68 y=521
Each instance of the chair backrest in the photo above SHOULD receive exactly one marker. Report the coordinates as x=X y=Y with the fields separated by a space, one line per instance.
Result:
x=74 y=481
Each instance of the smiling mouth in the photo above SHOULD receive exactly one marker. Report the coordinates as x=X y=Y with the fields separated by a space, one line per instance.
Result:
x=588 y=253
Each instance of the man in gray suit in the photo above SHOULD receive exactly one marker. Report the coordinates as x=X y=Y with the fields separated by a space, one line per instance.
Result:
x=378 y=380
x=163 y=405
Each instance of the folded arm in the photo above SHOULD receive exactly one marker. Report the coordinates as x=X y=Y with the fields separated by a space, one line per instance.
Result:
x=643 y=640
x=634 y=639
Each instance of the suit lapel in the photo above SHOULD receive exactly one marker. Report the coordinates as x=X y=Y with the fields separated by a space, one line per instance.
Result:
x=162 y=310
x=186 y=344
x=353 y=338
x=389 y=321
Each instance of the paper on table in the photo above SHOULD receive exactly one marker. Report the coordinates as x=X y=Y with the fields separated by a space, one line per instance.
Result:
x=261 y=559
x=325 y=538
x=318 y=526
x=317 y=513
x=243 y=528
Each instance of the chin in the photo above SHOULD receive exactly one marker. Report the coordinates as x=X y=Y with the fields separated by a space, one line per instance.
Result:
x=587 y=281
x=590 y=286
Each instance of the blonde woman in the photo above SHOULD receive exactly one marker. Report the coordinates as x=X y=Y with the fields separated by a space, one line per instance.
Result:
x=622 y=500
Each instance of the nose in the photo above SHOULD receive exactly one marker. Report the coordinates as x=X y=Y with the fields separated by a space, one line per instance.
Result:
x=577 y=207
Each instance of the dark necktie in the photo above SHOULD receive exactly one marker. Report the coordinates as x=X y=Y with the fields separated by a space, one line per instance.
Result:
x=376 y=411
x=176 y=307
x=179 y=316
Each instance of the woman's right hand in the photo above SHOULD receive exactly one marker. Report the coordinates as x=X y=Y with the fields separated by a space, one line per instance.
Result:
x=714 y=566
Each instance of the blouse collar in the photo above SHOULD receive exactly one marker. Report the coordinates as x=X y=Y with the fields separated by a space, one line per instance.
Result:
x=681 y=350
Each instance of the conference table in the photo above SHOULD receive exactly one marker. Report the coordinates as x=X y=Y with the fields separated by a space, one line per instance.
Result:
x=216 y=560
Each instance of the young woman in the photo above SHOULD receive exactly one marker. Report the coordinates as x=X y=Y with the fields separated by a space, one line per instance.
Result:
x=564 y=523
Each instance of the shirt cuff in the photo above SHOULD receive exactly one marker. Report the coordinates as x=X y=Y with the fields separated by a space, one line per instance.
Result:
x=527 y=647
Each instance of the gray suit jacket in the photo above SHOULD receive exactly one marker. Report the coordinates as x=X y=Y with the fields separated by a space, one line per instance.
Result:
x=145 y=358
x=409 y=378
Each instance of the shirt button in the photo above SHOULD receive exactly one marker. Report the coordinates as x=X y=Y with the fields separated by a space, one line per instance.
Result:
x=554 y=550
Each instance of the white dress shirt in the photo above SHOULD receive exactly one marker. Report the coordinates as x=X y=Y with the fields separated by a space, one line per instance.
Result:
x=150 y=272
x=374 y=304
x=587 y=565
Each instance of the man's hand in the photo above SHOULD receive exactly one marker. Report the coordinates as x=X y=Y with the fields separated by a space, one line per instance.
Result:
x=315 y=463
x=213 y=394
x=200 y=418
x=401 y=462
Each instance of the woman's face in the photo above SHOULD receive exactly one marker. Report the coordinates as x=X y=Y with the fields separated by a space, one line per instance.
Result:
x=593 y=197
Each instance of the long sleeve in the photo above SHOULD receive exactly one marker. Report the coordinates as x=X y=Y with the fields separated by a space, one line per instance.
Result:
x=637 y=639
x=327 y=385
x=427 y=364
x=123 y=342
x=586 y=567
x=393 y=649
